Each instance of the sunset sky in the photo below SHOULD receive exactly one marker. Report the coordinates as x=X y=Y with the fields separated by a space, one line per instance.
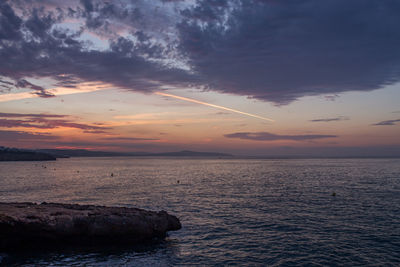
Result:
x=248 y=77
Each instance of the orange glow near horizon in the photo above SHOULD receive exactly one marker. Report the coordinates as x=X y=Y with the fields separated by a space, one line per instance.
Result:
x=58 y=91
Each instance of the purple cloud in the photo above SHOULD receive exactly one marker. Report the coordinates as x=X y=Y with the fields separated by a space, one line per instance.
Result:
x=341 y=118
x=33 y=46
x=95 y=131
x=265 y=136
x=129 y=139
x=31 y=115
x=11 y=136
x=42 y=121
x=282 y=50
x=388 y=122
x=276 y=51
x=40 y=91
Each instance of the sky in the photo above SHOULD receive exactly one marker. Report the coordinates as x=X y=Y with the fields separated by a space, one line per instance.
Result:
x=247 y=77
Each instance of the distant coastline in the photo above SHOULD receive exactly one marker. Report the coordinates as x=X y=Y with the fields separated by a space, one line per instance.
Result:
x=14 y=154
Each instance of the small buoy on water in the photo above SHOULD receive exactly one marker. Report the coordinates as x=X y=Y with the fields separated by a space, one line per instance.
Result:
x=77 y=171
x=178 y=182
x=333 y=194
x=112 y=174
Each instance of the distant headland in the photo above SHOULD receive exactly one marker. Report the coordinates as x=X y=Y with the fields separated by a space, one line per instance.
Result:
x=16 y=154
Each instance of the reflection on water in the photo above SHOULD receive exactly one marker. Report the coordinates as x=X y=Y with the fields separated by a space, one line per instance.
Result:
x=160 y=253
x=260 y=212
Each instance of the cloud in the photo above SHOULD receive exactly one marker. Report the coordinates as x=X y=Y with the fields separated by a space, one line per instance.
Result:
x=341 y=118
x=42 y=121
x=265 y=136
x=5 y=86
x=331 y=97
x=282 y=50
x=40 y=91
x=129 y=139
x=95 y=131
x=275 y=51
x=221 y=113
x=37 y=45
x=32 y=115
x=82 y=88
x=388 y=122
x=6 y=136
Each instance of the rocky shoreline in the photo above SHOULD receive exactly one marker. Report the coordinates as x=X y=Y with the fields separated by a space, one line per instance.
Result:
x=29 y=225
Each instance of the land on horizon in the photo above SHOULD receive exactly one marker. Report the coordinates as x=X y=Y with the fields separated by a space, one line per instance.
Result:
x=15 y=154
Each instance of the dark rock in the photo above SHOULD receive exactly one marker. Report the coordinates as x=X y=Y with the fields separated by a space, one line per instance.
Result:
x=24 y=225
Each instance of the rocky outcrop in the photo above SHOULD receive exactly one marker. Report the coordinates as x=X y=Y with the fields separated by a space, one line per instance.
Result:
x=25 y=225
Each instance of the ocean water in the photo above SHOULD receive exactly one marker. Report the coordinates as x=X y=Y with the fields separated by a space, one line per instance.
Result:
x=245 y=212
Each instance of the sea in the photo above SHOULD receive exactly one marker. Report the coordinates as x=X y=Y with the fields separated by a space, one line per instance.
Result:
x=234 y=212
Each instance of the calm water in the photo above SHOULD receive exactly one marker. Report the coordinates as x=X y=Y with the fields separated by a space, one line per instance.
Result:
x=234 y=212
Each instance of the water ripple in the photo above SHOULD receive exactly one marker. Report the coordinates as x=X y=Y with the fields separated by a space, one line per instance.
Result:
x=234 y=212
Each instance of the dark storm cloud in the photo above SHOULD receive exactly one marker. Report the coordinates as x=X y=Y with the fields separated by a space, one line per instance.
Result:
x=331 y=119
x=283 y=50
x=388 y=122
x=270 y=50
x=265 y=136
x=9 y=23
x=32 y=46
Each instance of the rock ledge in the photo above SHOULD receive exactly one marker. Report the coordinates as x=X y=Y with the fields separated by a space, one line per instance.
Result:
x=30 y=225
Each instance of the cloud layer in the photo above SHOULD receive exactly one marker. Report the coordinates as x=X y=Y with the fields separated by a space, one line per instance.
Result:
x=45 y=121
x=13 y=136
x=266 y=136
x=341 y=118
x=271 y=50
x=388 y=122
x=37 y=44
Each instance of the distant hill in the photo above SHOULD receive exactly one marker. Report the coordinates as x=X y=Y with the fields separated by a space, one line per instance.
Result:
x=15 y=154
x=65 y=153
x=59 y=153
x=187 y=153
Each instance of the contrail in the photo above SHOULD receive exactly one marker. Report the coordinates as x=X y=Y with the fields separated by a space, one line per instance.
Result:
x=212 y=105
